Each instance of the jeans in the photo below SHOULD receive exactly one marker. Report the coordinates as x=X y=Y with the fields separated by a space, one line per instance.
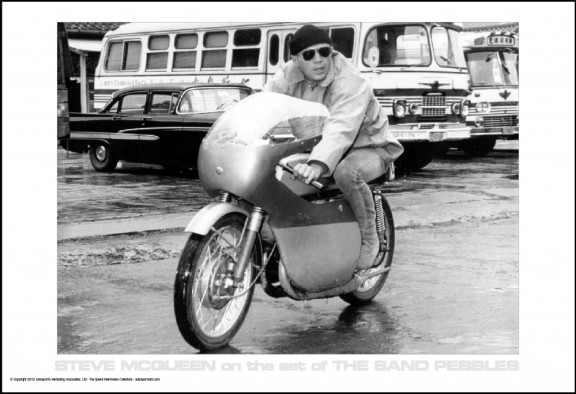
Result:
x=351 y=175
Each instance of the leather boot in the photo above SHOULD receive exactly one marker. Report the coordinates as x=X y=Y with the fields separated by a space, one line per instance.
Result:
x=369 y=248
x=350 y=177
x=362 y=204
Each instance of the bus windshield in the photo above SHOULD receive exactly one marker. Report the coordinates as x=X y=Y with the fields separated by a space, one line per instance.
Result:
x=493 y=68
x=447 y=50
x=392 y=45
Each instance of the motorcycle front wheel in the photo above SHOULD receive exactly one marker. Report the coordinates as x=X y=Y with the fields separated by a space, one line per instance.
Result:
x=209 y=312
x=371 y=287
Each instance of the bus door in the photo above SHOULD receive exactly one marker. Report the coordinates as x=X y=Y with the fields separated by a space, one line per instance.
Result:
x=278 y=51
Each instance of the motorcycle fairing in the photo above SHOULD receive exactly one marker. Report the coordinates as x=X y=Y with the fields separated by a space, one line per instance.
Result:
x=239 y=156
x=319 y=257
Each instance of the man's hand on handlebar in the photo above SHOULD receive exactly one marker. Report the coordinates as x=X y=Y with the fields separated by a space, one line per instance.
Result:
x=307 y=173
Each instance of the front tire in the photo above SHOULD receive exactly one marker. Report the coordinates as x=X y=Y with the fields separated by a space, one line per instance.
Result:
x=208 y=313
x=371 y=287
x=101 y=158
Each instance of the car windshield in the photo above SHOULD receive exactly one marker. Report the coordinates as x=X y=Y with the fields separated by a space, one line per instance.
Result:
x=268 y=119
x=393 y=45
x=493 y=68
x=210 y=99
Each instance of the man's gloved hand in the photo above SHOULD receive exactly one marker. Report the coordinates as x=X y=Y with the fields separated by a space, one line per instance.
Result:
x=307 y=173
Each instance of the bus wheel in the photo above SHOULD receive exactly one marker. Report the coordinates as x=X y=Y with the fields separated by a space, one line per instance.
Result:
x=479 y=147
x=417 y=156
x=101 y=158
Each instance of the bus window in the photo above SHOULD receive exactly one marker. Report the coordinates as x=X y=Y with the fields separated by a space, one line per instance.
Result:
x=274 y=50
x=214 y=58
x=247 y=37
x=343 y=40
x=246 y=57
x=447 y=51
x=397 y=46
x=287 y=47
x=157 y=60
x=183 y=57
x=123 y=55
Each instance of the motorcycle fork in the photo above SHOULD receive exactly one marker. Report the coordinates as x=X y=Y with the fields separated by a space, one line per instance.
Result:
x=254 y=223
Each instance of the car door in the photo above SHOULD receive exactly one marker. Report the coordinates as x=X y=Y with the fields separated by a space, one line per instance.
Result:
x=127 y=123
x=161 y=128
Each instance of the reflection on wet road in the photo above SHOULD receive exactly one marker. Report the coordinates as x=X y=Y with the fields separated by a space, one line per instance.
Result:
x=137 y=189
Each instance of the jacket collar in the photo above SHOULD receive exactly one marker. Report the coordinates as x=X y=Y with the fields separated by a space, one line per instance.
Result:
x=294 y=75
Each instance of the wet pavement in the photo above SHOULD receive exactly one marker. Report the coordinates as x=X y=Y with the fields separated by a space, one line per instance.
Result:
x=453 y=288
x=144 y=197
x=437 y=300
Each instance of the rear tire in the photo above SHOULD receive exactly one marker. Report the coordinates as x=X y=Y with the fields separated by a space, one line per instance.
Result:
x=101 y=158
x=207 y=318
x=372 y=286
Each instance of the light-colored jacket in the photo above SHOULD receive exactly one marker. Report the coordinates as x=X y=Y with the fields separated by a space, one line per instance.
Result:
x=356 y=118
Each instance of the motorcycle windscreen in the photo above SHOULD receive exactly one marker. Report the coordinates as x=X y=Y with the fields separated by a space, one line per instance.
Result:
x=269 y=118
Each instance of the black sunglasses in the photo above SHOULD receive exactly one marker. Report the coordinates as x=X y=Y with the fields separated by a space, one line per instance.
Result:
x=310 y=53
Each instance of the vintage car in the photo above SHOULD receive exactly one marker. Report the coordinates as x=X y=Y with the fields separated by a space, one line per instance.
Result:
x=154 y=123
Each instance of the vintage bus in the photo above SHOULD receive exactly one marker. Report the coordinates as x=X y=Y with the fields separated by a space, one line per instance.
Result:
x=417 y=70
x=492 y=60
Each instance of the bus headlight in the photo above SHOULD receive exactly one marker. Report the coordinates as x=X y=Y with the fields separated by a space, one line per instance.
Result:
x=478 y=121
x=465 y=108
x=399 y=108
x=413 y=108
x=456 y=107
x=482 y=107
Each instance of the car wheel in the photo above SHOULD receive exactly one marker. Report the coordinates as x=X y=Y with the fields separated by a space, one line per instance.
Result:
x=101 y=158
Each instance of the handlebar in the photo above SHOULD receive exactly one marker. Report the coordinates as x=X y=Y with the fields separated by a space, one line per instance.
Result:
x=290 y=170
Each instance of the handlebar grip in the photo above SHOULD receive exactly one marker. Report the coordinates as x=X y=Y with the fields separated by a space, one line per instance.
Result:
x=290 y=170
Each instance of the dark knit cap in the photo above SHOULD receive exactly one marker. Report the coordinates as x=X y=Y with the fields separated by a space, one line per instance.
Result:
x=307 y=36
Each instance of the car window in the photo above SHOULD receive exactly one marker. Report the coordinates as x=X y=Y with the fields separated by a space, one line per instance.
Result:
x=210 y=99
x=163 y=103
x=114 y=108
x=133 y=104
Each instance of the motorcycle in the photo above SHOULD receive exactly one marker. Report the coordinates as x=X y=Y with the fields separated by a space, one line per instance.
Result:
x=296 y=240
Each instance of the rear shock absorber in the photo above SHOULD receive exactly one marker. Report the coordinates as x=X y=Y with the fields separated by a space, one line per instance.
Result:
x=380 y=224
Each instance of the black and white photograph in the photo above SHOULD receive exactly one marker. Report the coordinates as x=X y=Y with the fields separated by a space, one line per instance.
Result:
x=309 y=200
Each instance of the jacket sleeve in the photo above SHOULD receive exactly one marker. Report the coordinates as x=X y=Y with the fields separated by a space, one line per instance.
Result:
x=347 y=102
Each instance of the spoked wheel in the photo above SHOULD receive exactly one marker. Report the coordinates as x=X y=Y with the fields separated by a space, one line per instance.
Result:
x=372 y=286
x=209 y=311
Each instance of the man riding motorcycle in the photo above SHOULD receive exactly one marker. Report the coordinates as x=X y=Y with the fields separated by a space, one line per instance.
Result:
x=356 y=146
